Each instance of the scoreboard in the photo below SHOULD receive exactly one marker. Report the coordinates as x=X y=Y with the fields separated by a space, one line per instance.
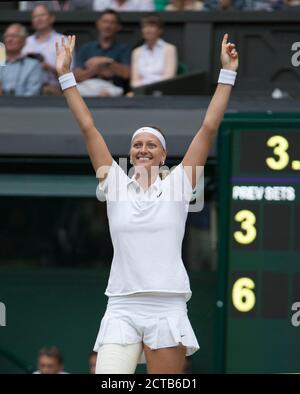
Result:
x=259 y=243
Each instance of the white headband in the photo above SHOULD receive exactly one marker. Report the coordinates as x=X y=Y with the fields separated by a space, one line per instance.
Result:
x=152 y=131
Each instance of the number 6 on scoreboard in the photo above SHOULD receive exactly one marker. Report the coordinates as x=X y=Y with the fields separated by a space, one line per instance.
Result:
x=243 y=296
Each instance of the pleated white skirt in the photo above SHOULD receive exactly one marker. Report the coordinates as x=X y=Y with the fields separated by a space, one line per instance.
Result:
x=157 y=319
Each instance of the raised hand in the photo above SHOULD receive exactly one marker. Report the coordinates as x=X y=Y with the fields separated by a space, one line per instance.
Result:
x=64 y=54
x=229 y=55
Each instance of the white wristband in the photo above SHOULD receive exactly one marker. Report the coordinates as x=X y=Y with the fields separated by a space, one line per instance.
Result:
x=227 y=77
x=67 y=81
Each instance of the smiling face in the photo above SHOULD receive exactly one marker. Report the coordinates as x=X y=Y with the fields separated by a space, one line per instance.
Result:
x=41 y=18
x=151 y=32
x=49 y=365
x=14 y=38
x=108 y=25
x=147 y=150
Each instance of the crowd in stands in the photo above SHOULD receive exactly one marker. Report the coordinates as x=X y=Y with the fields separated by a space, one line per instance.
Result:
x=163 y=5
x=104 y=67
x=50 y=362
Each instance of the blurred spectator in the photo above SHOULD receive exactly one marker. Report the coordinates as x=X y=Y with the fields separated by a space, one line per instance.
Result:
x=21 y=76
x=291 y=4
x=223 y=5
x=92 y=362
x=67 y=5
x=102 y=67
x=124 y=5
x=187 y=369
x=156 y=60
x=185 y=5
x=50 y=361
x=261 y=5
x=41 y=45
x=160 y=5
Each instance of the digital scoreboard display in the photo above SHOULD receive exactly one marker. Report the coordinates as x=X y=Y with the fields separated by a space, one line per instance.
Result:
x=259 y=243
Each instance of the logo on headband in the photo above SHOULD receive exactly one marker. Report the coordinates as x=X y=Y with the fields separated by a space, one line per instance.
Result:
x=2 y=54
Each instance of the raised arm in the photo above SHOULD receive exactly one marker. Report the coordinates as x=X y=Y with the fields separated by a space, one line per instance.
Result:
x=199 y=148
x=96 y=146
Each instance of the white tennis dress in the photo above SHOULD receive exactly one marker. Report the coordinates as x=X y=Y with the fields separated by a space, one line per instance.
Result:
x=148 y=286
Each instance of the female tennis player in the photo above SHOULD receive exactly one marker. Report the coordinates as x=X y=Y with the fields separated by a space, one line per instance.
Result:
x=146 y=318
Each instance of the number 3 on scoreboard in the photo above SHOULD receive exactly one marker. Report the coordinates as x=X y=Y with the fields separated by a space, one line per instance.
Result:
x=243 y=296
x=247 y=220
x=280 y=145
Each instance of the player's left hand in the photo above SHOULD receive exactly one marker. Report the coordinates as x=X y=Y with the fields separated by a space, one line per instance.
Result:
x=229 y=55
x=64 y=54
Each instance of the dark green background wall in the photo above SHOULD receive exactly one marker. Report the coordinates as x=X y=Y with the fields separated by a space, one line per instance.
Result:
x=64 y=307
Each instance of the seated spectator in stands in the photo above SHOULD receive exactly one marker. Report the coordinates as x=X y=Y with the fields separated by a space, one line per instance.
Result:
x=260 y=5
x=102 y=67
x=56 y=5
x=50 y=361
x=124 y=5
x=225 y=5
x=185 y=5
x=21 y=76
x=41 y=45
x=187 y=369
x=155 y=60
x=291 y=5
x=222 y=5
x=160 y=5
x=92 y=362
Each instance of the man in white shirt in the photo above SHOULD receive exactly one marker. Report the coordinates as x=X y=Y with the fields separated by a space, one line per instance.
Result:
x=124 y=5
x=41 y=45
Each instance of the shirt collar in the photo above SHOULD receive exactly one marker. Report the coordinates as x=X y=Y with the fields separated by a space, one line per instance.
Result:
x=156 y=184
x=48 y=38
x=114 y=42
x=159 y=43
x=20 y=58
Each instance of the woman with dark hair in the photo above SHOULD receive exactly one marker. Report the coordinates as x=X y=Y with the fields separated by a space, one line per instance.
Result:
x=146 y=317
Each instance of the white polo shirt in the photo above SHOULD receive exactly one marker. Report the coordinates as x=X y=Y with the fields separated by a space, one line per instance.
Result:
x=48 y=50
x=129 y=5
x=147 y=230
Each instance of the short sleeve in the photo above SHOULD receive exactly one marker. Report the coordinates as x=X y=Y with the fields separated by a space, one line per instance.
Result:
x=81 y=57
x=182 y=187
x=111 y=188
x=125 y=56
x=180 y=183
